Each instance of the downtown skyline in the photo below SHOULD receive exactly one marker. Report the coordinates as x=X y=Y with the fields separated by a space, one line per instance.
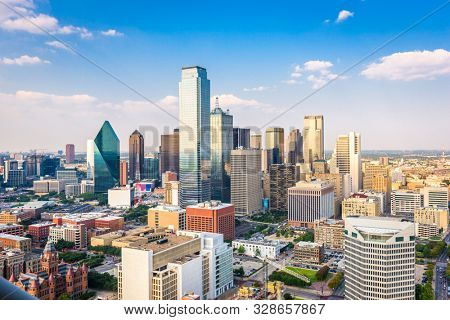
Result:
x=385 y=98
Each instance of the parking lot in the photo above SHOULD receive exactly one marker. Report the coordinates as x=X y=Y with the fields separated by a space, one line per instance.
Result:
x=332 y=258
x=249 y=264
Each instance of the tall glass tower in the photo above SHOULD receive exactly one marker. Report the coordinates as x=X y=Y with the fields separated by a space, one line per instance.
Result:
x=106 y=159
x=221 y=146
x=136 y=155
x=195 y=162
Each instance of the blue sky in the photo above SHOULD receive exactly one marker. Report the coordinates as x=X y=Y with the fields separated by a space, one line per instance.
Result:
x=261 y=59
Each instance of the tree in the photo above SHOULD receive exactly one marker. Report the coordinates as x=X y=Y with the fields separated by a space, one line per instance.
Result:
x=337 y=279
x=102 y=281
x=64 y=296
x=239 y=272
x=258 y=252
x=63 y=245
x=288 y=296
x=72 y=256
x=241 y=249
x=322 y=274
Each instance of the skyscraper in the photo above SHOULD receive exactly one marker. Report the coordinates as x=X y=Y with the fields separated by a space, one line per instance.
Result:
x=241 y=138
x=246 y=191
x=195 y=158
x=282 y=177
x=90 y=159
x=275 y=140
x=379 y=259
x=221 y=146
x=106 y=158
x=348 y=158
x=123 y=172
x=151 y=167
x=136 y=155
x=169 y=152
x=295 y=147
x=313 y=138
x=255 y=141
x=70 y=153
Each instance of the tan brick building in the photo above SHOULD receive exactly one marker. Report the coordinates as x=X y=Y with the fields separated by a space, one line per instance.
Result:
x=330 y=233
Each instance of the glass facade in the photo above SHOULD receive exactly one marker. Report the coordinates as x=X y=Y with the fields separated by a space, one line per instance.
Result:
x=195 y=161
x=106 y=159
x=151 y=168
x=221 y=146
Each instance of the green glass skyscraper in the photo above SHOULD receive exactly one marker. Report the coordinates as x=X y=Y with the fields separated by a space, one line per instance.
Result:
x=106 y=159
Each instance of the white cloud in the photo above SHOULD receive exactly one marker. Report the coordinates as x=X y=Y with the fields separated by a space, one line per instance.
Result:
x=32 y=22
x=257 y=89
x=317 y=65
x=344 y=15
x=58 y=45
x=410 y=65
x=168 y=102
x=34 y=96
x=230 y=100
x=297 y=73
x=112 y=33
x=23 y=60
x=290 y=81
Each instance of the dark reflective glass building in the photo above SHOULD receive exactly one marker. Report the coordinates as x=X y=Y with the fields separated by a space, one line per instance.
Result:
x=106 y=159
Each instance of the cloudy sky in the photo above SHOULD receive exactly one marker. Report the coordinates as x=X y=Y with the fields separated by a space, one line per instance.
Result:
x=261 y=59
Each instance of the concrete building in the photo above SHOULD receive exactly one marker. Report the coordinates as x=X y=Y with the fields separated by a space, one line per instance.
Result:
x=379 y=259
x=241 y=138
x=15 y=242
x=295 y=147
x=186 y=263
x=435 y=196
x=46 y=186
x=309 y=201
x=275 y=142
x=73 y=233
x=123 y=173
x=169 y=217
x=246 y=192
x=70 y=153
x=39 y=231
x=330 y=233
x=430 y=221
x=12 y=229
x=262 y=249
x=111 y=223
x=172 y=193
x=73 y=190
x=121 y=197
x=67 y=176
x=169 y=152
x=87 y=186
x=313 y=138
x=403 y=202
x=308 y=252
x=255 y=141
x=361 y=205
x=282 y=177
x=348 y=158
x=211 y=216
x=136 y=156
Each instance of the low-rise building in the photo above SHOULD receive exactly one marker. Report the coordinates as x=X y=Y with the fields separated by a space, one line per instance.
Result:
x=330 y=233
x=121 y=197
x=41 y=187
x=165 y=216
x=262 y=249
x=39 y=231
x=111 y=222
x=430 y=221
x=15 y=242
x=13 y=229
x=361 y=205
x=72 y=233
x=308 y=252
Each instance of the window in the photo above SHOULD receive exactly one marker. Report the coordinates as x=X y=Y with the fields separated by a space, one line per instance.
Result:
x=354 y=235
x=412 y=238
x=399 y=239
x=346 y=231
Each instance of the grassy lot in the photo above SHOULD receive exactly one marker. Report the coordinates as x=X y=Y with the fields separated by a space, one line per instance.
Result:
x=310 y=274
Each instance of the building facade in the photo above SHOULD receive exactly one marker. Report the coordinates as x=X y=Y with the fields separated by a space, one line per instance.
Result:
x=282 y=177
x=136 y=156
x=313 y=138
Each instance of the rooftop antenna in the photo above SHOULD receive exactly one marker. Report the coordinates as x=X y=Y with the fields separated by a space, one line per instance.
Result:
x=217 y=102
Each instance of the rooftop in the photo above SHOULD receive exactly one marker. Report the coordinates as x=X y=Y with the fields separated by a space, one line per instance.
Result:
x=158 y=246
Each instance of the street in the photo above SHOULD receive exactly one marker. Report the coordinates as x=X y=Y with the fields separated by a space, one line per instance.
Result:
x=440 y=290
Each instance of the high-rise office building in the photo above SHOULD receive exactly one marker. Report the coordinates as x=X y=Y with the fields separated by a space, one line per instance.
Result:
x=379 y=259
x=295 y=147
x=221 y=146
x=246 y=191
x=313 y=138
x=348 y=158
x=106 y=158
x=151 y=167
x=282 y=177
x=123 y=172
x=49 y=166
x=241 y=138
x=275 y=140
x=169 y=152
x=136 y=155
x=90 y=159
x=310 y=201
x=70 y=153
x=195 y=158
x=255 y=141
